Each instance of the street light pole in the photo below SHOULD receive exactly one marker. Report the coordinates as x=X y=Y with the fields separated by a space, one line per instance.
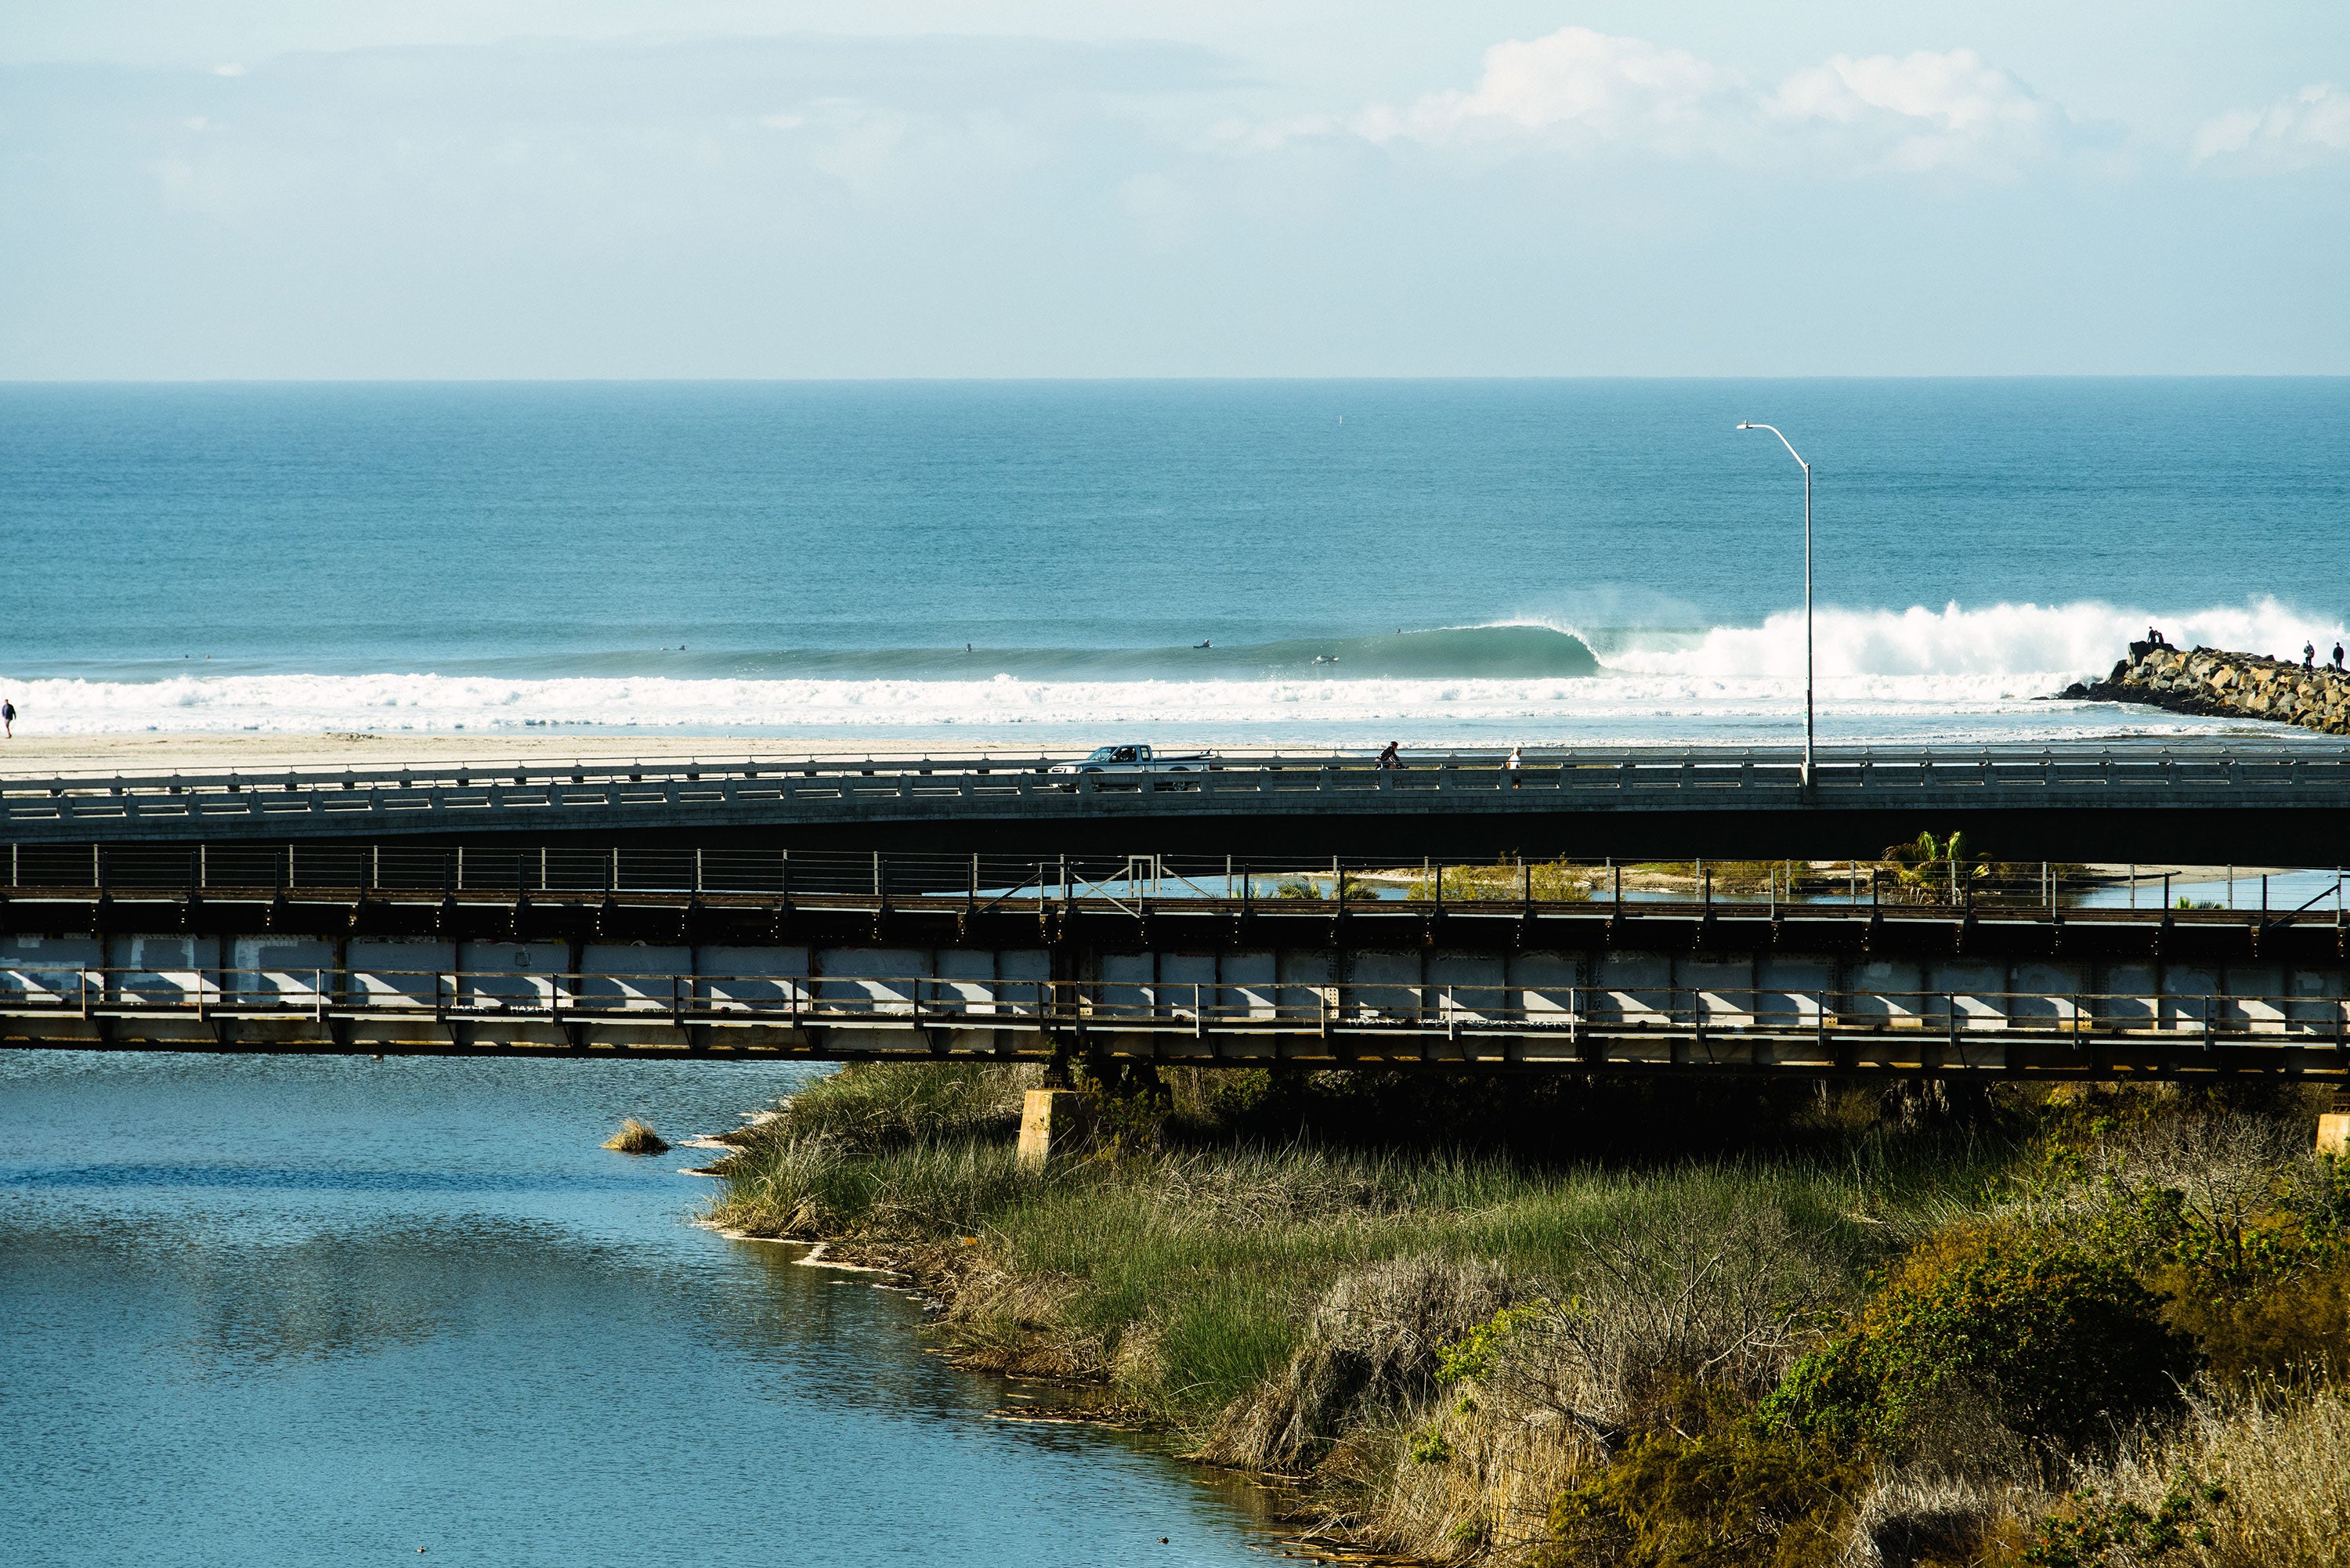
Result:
x=1751 y=425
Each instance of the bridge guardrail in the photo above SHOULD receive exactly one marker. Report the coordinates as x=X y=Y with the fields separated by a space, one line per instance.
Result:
x=461 y=795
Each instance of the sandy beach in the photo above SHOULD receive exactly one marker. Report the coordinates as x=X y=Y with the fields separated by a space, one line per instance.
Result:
x=44 y=756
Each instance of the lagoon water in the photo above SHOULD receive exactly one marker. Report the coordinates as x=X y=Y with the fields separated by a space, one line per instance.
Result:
x=1499 y=561
x=259 y=1313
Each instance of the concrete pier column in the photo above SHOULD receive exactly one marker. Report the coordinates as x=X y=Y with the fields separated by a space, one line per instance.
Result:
x=1051 y=1120
x=2332 y=1125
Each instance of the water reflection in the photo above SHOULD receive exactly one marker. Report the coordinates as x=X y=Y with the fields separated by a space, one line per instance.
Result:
x=268 y=1313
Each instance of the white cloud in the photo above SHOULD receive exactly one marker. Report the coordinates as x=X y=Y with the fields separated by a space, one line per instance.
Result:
x=1577 y=84
x=1930 y=110
x=2302 y=128
x=1577 y=88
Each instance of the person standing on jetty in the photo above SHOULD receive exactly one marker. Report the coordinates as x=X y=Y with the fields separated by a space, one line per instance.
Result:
x=2309 y=655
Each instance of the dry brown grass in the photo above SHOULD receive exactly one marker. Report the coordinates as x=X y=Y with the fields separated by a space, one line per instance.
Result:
x=2281 y=1458
x=1370 y=1352
x=637 y=1138
x=1469 y=1480
x=1665 y=1300
x=1929 y=1519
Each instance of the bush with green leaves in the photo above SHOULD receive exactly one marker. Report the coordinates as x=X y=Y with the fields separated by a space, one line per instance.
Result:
x=2091 y=1532
x=1715 y=1489
x=2061 y=1344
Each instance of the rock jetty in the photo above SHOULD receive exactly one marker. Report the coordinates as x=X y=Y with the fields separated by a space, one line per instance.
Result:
x=2229 y=685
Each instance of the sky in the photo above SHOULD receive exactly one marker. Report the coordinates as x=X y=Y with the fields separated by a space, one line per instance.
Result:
x=462 y=188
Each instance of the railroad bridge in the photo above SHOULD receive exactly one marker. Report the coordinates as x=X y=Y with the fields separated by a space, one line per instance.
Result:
x=562 y=951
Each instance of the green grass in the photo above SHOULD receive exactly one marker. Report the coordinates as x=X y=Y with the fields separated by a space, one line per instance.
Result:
x=1183 y=1275
x=879 y=1104
x=1273 y=1264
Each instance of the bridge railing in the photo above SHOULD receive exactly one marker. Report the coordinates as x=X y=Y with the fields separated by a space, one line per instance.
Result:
x=470 y=795
x=1196 y=1007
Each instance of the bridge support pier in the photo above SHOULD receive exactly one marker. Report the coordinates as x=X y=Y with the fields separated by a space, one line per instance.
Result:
x=1050 y=1120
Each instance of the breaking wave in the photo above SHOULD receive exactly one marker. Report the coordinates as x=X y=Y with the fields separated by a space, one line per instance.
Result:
x=1878 y=670
x=2021 y=643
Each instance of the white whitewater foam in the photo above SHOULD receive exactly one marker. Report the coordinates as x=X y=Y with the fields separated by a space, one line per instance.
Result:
x=1913 y=671
x=2042 y=647
x=1635 y=705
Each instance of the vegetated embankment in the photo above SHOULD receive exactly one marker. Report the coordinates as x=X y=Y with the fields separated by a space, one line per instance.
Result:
x=1551 y=1322
x=2212 y=681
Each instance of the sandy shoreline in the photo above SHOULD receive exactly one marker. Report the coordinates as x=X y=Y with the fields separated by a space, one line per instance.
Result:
x=33 y=756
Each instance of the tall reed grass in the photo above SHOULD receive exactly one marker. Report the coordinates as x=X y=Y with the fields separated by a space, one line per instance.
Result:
x=1186 y=1274
x=1289 y=1303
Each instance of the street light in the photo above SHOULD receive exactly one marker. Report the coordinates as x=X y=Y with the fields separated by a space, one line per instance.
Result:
x=1751 y=425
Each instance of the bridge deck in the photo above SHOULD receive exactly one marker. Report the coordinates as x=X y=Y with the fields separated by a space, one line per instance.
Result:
x=1468 y=795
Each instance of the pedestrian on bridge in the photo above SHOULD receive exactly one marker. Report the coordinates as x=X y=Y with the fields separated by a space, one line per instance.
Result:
x=1388 y=759
x=1517 y=756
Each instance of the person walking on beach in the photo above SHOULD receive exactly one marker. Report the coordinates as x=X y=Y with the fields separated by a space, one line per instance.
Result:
x=8 y=719
x=1388 y=759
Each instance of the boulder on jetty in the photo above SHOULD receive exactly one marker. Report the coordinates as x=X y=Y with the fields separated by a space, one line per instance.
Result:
x=2213 y=681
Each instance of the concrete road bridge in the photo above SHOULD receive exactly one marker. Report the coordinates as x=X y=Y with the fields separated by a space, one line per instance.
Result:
x=2245 y=799
x=563 y=952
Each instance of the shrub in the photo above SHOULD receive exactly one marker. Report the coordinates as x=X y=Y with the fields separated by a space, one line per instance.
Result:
x=1666 y=1302
x=1552 y=882
x=636 y=1138
x=1303 y=885
x=2291 y=1325
x=2221 y=1208
x=2058 y=1342
x=2093 y=1531
x=1721 y=1489
x=2253 y=1478
x=1375 y=1346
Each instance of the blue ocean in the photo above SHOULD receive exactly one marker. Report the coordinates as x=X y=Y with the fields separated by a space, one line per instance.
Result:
x=1329 y=562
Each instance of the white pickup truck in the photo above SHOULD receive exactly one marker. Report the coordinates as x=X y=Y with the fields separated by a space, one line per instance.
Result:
x=1135 y=761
